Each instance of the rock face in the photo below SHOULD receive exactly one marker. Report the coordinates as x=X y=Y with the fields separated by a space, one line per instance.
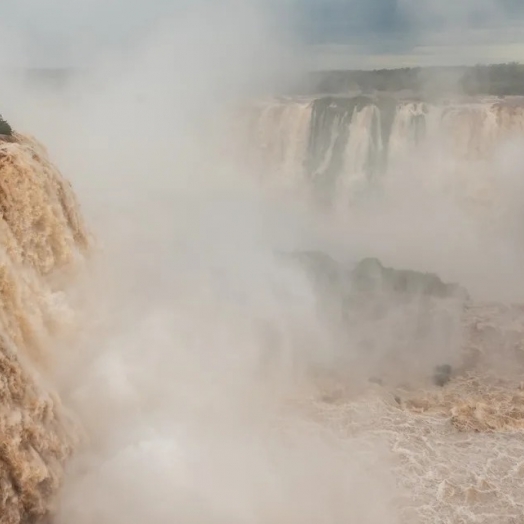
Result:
x=395 y=322
x=42 y=241
x=371 y=277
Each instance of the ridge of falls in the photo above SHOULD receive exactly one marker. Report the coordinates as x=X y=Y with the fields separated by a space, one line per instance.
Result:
x=341 y=147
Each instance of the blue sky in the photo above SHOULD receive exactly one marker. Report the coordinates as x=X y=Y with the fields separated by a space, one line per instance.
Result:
x=56 y=32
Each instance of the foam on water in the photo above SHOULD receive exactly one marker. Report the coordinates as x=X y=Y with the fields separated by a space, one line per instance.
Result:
x=42 y=241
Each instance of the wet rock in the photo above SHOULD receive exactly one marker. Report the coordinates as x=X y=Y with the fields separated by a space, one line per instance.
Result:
x=371 y=277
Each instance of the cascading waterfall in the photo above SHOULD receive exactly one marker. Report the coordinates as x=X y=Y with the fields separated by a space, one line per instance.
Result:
x=348 y=138
x=281 y=131
x=42 y=240
x=341 y=147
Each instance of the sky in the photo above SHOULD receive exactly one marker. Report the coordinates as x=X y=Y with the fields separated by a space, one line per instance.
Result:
x=58 y=32
x=343 y=20
x=372 y=34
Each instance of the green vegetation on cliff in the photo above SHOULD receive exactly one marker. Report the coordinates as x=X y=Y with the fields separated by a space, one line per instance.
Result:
x=5 y=128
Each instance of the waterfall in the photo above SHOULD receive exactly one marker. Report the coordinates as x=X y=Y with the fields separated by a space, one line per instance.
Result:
x=342 y=147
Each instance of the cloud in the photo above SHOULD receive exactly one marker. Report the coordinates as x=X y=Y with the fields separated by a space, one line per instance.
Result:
x=61 y=33
x=369 y=21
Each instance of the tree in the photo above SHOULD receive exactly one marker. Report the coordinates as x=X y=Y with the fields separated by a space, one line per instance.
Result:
x=5 y=128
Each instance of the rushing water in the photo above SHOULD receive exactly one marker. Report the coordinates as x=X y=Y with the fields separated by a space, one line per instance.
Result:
x=222 y=381
x=345 y=145
x=43 y=240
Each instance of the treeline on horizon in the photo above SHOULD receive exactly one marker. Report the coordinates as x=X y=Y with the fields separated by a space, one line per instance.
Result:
x=495 y=80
